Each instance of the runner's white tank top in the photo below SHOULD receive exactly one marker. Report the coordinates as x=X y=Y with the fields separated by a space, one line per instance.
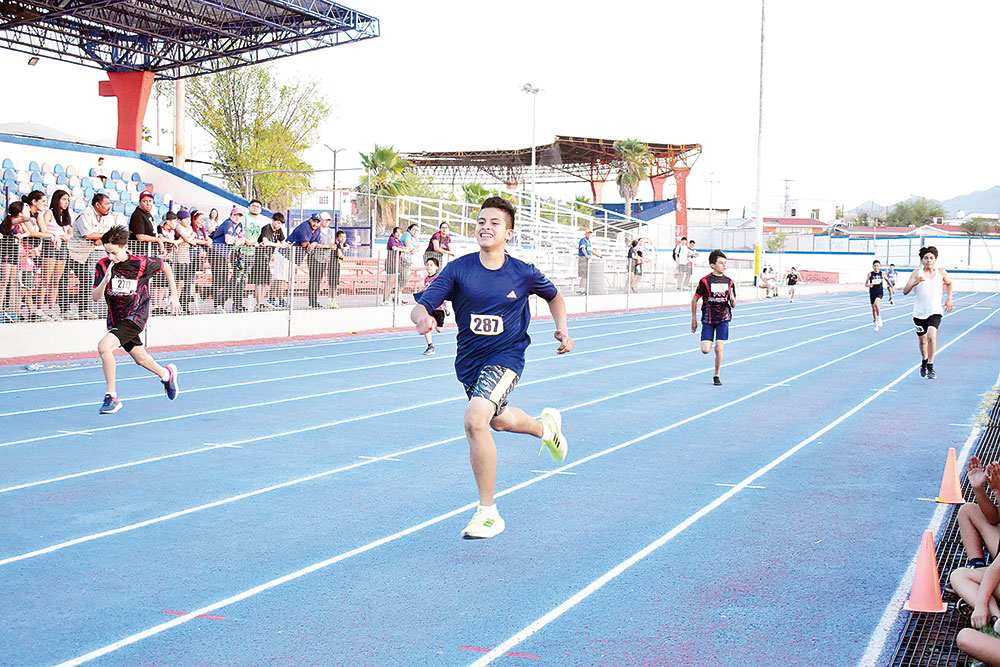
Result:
x=928 y=293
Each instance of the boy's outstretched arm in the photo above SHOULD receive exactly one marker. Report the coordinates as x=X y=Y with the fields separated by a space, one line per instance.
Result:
x=421 y=318
x=557 y=306
x=694 y=312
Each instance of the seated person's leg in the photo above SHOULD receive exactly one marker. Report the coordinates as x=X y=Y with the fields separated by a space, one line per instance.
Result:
x=975 y=531
x=979 y=645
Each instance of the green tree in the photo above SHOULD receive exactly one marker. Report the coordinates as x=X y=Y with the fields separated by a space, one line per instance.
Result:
x=977 y=227
x=476 y=193
x=385 y=177
x=776 y=242
x=259 y=124
x=633 y=164
x=915 y=212
x=861 y=218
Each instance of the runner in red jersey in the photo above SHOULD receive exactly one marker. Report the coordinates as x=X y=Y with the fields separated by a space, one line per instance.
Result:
x=718 y=292
x=123 y=280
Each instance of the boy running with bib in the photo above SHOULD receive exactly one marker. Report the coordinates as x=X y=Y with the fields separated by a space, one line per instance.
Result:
x=718 y=292
x=123 y=280
x=928 y=282
x=875 y=283
x=489 y=291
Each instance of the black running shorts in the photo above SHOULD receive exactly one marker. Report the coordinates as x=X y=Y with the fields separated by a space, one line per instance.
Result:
x=922 y=324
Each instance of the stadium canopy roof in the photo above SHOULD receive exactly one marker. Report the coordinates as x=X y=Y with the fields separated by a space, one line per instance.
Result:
x=565 y=160
x=177 y=38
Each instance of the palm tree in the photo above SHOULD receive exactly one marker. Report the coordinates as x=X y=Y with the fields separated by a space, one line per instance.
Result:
x=476 y=193
x=385 y=177
x=633 y=163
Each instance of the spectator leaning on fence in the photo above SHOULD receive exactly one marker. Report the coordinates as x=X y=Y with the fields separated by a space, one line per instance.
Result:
x=11 y=233
x=142 y=228
x=319 y=258
x=184 y=271
x=585 y=253
x=338 y=255
x=439 y=245
x=226 y=241
x=55 y=252
x=84 y=249
x=394 y=253
x=272 y=235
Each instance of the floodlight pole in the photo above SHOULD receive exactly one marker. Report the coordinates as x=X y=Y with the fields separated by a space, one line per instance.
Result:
x=528 y=88
x=758 y=213
x=333 y=195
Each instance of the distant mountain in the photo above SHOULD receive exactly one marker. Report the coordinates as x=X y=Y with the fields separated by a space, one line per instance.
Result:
x=874 y=210
x=983 y=201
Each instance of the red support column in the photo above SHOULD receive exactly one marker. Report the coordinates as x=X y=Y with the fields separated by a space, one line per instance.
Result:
x=658 y=182
x=132 y=90
x=681 y=228
x=595 y=189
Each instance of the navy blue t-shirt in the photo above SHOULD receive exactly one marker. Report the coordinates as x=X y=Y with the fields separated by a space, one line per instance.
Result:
x=875 y=280
x=491 y=310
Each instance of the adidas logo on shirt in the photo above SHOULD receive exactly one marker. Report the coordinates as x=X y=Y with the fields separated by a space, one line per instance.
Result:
x=512 y=295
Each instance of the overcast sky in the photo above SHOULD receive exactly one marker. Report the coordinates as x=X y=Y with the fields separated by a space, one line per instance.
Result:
x=863 y=99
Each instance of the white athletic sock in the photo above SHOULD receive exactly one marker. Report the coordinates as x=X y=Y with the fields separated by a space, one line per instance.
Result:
x=491 y=509
x=166 y=375
x=546 y=431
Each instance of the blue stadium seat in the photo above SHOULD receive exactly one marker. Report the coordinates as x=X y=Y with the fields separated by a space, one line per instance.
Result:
x=85 y=183
x=88 y=194
x=33 y=166
x=62 y=179
x=58 y=169
x=118 y=207
x=9 y=174
x=136 y=178
x=157 y=198
x=129 y=207
x=91 y=172
x=116 y=175
x=8 y=163
x=35 y=176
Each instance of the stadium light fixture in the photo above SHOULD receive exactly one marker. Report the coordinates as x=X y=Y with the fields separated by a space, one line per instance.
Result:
x=531 y=90
x=333 y=193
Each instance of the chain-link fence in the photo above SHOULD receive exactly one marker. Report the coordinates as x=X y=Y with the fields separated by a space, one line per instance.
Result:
x=374 y=254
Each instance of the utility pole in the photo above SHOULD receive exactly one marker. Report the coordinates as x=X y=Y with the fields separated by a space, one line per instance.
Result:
x=711 y=188
x=787 y=182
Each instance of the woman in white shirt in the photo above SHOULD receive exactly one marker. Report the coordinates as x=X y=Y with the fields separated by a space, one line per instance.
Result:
x=928 y=282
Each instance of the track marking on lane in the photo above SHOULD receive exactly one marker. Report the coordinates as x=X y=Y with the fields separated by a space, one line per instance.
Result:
x=499 y=651
x=532 y=382
x=336 y=371
x=312 y=396
x=613 y=317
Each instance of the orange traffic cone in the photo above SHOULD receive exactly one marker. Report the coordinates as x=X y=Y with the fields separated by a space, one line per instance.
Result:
x=951 y=490
x=926 y=592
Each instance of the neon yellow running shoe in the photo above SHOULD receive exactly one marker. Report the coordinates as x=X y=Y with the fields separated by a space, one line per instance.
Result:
x=486 y=522
x=556 y=442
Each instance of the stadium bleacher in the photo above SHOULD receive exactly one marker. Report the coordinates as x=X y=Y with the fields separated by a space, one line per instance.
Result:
x=18 y=178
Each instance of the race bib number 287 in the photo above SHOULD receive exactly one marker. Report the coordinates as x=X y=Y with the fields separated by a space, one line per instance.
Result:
x=486 y=325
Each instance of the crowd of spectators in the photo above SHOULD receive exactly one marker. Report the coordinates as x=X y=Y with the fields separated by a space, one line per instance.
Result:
x=48 y=258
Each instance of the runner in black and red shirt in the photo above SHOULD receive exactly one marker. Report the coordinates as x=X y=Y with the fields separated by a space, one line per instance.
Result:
x=123 y=280
x=719 y=294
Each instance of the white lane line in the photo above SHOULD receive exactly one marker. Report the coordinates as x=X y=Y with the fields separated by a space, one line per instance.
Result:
x=748 y=486
x=157 y=629
x=553 y=471
x=227 y=368
x=611 y=574
x=120 y=466
x=583 y=372
x=378 y=458
x=415 y=379
x=363 y=339
x=249 y=494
